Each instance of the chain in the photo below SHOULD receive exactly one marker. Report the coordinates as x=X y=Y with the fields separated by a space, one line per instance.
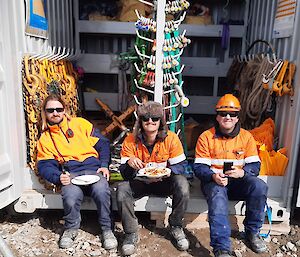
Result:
x=39 y=79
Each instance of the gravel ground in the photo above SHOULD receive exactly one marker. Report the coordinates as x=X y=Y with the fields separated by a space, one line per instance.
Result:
x=38 y=234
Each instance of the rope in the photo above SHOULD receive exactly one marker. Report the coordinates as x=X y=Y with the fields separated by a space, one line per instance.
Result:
x=253 y=97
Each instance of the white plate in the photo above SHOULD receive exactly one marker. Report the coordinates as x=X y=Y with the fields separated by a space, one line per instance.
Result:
x=85 y=180
x=145 y=172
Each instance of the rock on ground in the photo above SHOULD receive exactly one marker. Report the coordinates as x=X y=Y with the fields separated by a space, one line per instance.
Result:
x=38 y=234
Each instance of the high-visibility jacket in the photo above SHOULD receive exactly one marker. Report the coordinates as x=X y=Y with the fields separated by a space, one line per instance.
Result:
x=85 y=150
x=212 y=150
x=166 y=153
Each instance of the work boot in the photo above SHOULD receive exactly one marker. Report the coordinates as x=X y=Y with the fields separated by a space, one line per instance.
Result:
x=129 y=243
x=256 y=243
x=109 y=240
x=67 y=238
x=222 y=253
x=181 y=242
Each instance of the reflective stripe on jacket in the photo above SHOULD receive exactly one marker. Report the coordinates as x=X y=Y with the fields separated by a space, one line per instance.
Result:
x=169 y=150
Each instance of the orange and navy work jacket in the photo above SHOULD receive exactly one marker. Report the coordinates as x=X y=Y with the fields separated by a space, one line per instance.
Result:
x=212 y=150
x=166 y=153
x=86 y=149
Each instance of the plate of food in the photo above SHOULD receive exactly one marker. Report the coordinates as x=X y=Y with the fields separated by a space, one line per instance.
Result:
x=84 y=180
x=152 y=172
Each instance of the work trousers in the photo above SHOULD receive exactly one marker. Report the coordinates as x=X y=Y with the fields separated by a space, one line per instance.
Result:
x=128 y=191
x=250 y=189
x=72 y=196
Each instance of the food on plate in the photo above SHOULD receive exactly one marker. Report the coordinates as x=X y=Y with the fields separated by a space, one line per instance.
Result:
x=155 y=172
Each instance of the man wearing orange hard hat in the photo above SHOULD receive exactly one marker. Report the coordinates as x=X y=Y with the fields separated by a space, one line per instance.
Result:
x=227 y=163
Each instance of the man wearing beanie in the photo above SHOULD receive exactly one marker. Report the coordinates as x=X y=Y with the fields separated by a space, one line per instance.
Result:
x=152 y=144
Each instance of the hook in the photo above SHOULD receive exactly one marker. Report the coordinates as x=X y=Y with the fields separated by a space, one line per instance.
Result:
x=138 y=70
x=64 y=55
x=181 y=19
x=225 y=11
x=47 y=49
x=147 y=39
x=145 y=2
x=180 y=71
x=71 y=55
x=53 y=58
x=172 y=106
x=47 y=55
x=137 y=14
x=178 y=55
x=140 y=54
x=37 y=56
x=141 y=88
x=174 y=121
x=136 y=100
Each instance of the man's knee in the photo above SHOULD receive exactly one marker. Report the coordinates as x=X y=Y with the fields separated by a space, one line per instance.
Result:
x=123 y=191
x=257 y=186
x=101 y=187
x=212 y=189
x=181 y=185
x=216 y=197
x=71 y=195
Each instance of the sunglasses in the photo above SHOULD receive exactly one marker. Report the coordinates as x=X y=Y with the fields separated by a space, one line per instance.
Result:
x=147 y=118
x=231 y=114
x=51 y=110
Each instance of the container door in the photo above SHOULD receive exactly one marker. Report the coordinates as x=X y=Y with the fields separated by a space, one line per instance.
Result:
x=11 y=123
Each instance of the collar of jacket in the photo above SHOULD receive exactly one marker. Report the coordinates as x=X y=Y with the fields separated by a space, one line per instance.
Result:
x=141 y=138
x=233 y=134
x=56 y=127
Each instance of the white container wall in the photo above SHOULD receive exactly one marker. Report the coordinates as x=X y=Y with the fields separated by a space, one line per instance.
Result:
x=12 y=132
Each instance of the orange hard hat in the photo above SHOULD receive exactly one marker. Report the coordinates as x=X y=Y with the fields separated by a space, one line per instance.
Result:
x=229 y=103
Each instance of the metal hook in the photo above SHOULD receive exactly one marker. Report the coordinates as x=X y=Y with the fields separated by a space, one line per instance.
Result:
x=147 y=39
x=65 y=55
x=174 y=121
x=139 y=53
x=145 y=2
x=53 y=58
x=137 y=14
x=36 y=56
x=180 y=71
x=181 y=19
x=178 y=55
x=225 y=10
x=141 y=88
x=47 y=55
x=138 y=70
x=136 y=100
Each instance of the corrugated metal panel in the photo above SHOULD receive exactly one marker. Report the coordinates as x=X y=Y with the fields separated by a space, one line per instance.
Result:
x=287 y=117
x=60 y=29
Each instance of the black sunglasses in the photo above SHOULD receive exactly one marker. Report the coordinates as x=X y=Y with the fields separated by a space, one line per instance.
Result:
x=51 y=110
x=147 y=118
x=231 y=114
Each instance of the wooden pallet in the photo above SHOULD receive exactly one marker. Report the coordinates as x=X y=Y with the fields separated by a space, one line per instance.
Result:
x=198 y=221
